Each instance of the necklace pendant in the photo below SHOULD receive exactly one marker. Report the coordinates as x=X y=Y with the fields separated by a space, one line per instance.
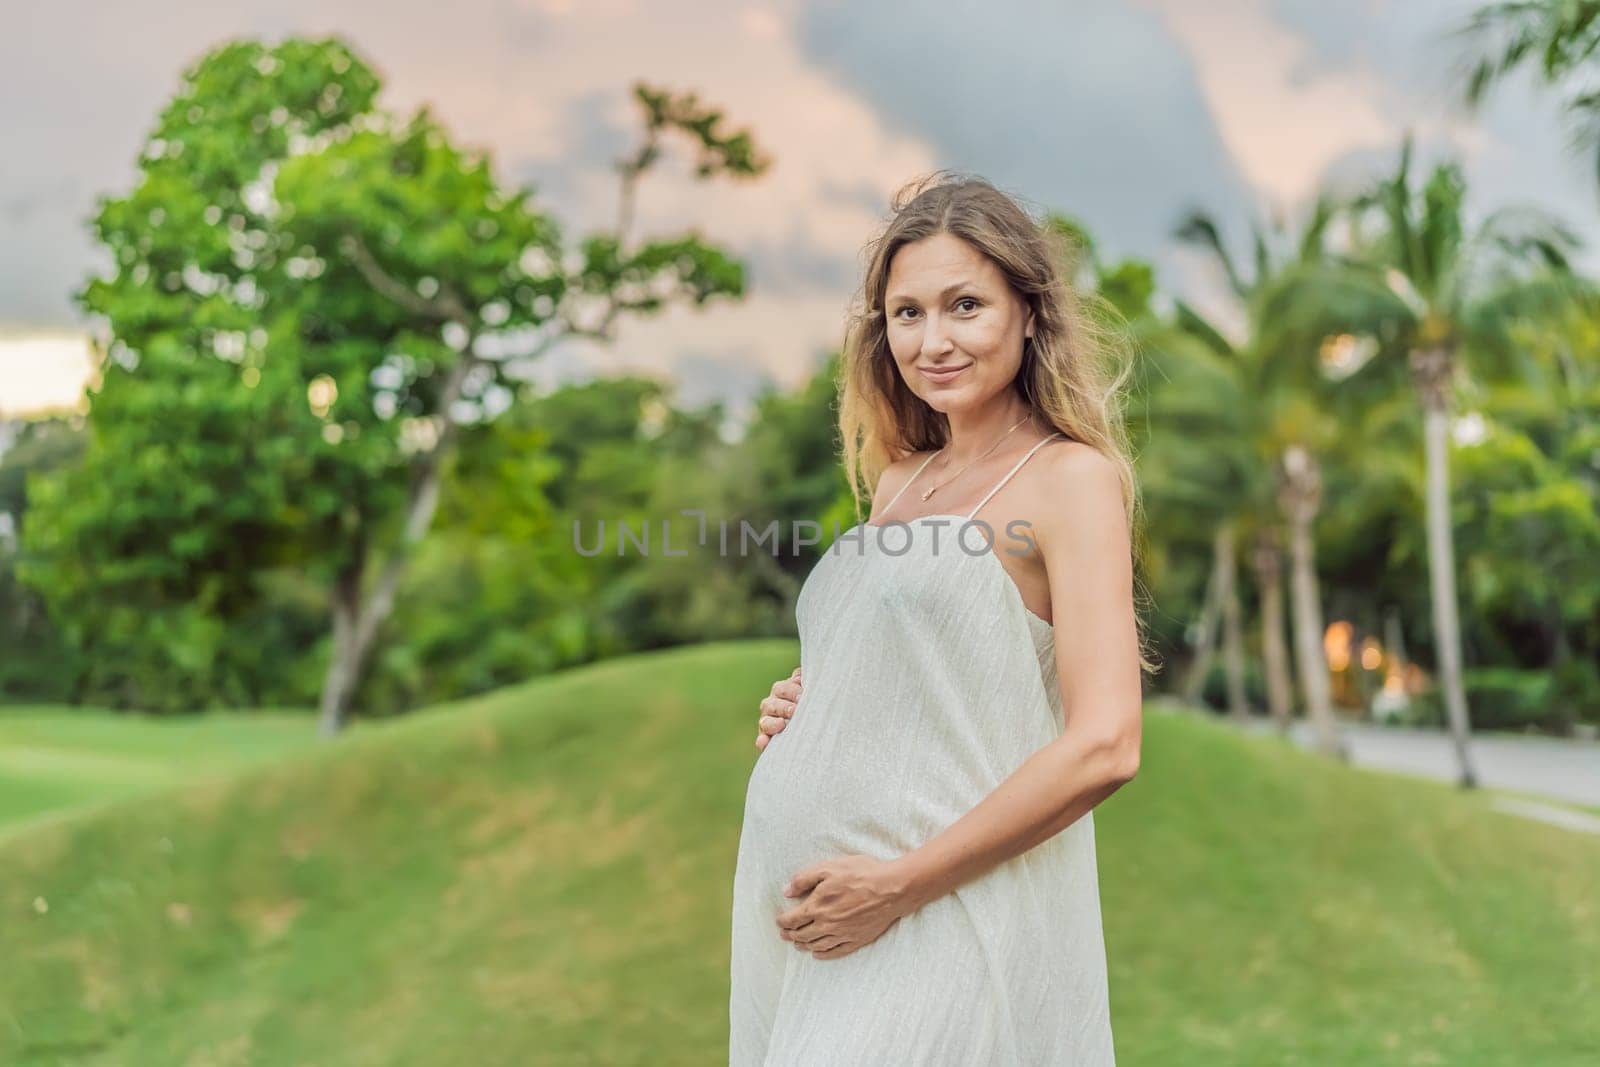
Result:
x=929 y=493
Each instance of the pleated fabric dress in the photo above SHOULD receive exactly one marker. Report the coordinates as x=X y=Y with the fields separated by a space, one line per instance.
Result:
x=926 y=683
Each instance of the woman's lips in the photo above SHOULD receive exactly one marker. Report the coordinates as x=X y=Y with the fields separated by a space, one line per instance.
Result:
x=943 y=374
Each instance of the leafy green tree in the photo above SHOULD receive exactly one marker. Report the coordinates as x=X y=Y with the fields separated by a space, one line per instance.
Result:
x=1531 y=524
x=311 y=298
x=38 y=665
x=497 y=593
x=1529 y=535
x=1126 y=287
x=40 y=445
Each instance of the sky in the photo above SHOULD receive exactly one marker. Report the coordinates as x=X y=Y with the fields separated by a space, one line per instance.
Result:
x=1123 y=113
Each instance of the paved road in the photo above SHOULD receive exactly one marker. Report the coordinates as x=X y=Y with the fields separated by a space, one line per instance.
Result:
x=1538 y=766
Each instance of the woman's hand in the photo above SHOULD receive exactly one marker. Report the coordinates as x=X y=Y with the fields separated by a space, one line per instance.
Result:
x=853 y=900
x=777 y=708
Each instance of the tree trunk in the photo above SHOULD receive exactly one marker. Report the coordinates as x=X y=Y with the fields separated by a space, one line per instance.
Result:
x=1194 y=685
x=1394 y=636
x=344 y=663
x=1300 y=497
x=1431 y=372
x=356 y=623
x=1268 y=561
x=1232 y=627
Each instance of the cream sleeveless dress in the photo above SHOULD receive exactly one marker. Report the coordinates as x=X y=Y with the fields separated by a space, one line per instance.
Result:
x=926 y=683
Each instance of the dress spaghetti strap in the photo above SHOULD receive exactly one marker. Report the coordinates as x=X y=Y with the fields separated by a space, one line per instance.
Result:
x=1012 y=471
x=909 y=480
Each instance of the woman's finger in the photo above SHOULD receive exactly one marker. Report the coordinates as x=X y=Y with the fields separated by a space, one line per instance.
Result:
x=776 y=710
x=819 y=939
x=805 y=938
x=777 y=706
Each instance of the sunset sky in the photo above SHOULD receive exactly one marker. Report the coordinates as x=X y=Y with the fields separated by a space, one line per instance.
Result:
x=1122 y=113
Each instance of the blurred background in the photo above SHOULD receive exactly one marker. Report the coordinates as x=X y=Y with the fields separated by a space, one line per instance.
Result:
x=325 y=327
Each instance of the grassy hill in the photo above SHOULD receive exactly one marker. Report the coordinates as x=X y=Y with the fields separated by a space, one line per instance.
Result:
x=54 y=760
x=543 y=876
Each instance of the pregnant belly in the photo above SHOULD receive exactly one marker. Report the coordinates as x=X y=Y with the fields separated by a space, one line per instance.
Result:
x=814 y=795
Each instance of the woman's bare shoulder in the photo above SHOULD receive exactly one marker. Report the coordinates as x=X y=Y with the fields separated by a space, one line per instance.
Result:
x=1070 y=480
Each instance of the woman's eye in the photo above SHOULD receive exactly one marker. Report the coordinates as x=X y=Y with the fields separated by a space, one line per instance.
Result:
x=907 y=307
x=968 y=300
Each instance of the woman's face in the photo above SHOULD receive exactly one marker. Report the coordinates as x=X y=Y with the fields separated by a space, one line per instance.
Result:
x=950 y=310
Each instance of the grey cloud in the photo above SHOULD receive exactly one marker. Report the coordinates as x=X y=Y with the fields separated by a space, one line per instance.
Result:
x=862 y=193
x=590 y=140
x=1416 y=60
x=1090 y=108
x=793 y=263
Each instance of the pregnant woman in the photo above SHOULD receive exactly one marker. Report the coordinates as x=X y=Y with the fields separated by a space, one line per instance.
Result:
x=916 y=879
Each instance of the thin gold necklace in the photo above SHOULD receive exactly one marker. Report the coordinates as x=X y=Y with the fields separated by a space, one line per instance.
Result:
x=959 y=473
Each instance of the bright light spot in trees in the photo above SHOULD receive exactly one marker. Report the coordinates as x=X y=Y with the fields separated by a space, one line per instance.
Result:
x=1336 y=641
x=229 y=345
x=321 y=394
x=386 y=376
x=418 y=434
x=1469 y=429
x=496 y=398
x=535 y=262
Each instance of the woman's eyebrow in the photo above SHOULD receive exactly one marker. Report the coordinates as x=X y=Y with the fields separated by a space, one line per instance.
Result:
x=946 y=292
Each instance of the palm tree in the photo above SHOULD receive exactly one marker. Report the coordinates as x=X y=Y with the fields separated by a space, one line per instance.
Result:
x=1204 y=482
x=1437 y=290
x=1558 y=39
x=1269 y=402
x=1120 y=296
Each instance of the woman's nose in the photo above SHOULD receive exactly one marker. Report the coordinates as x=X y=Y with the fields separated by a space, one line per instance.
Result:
x=935 y=337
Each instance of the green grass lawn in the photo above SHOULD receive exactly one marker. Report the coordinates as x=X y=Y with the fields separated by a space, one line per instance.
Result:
x=55 y=760
x=543 y=876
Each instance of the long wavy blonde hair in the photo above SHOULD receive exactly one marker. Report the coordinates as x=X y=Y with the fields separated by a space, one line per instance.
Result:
x=1074 y=367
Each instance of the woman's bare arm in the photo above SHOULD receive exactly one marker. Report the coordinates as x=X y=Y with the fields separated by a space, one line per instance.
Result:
x=1082 y=533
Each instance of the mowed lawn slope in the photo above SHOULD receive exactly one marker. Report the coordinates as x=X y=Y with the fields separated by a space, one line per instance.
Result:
x=55 y=760
x=543 y=876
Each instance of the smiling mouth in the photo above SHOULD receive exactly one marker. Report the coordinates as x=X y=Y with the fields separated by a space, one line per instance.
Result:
x=943 y=374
